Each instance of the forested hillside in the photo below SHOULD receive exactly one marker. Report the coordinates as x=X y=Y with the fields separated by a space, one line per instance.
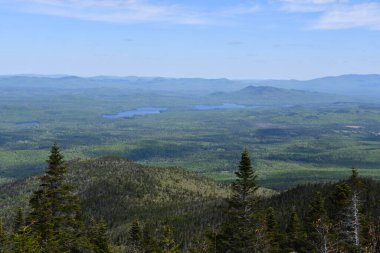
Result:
x=114 y=205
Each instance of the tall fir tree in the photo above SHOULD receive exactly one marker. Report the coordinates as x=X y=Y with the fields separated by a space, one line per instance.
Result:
x=19 y=220
x=56 y=213
x=98 y=236
x=26 y=241
x=238 y=232
x=3 y=237
x=149 y=241
x=273 y=235
x=136 y=236
x=341 y=199
x=318 y=226
x=296 y=233
x=166 y=243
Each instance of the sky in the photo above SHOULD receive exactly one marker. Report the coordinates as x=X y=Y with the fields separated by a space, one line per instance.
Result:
x=236 y=39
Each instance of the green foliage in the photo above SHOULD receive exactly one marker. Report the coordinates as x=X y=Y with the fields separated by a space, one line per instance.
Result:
x=296 y=235
x=3 y=236
x=166 y=242
x=296 y=139
x=27 y=241
x=135 y=235
x=55 y=216
x=238 y=232
x=19 y=221
x=182 y=212
x=98 y=236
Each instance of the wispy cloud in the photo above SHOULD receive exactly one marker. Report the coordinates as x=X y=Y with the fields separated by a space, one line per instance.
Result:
x=309 y=5
x=116 y=11
x=344 y=17
x=132 y=11
x=337 y=14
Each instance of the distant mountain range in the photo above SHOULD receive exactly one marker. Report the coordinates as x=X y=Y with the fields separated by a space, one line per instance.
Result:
x=359 y=86
x=267 y=95
x=349 y=85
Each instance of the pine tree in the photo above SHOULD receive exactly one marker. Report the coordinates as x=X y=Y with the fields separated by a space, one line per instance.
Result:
x=318 y=225
x=347 y=215
x=167 y=243
x=98 y=236
x=341 y=199
x=238 y=232
x=25 y=241
x=135 y=237
x=19 y=220
x=149 y=242
x=296 y=234
x=135 y=233
x=272 y=231
x=3 y=237
x=56 y=214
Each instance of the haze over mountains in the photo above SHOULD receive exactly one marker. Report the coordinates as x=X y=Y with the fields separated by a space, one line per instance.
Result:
x=358 y=86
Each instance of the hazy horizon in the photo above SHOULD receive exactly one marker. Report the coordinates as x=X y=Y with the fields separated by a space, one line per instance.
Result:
x=244 y=39
x=54 y=75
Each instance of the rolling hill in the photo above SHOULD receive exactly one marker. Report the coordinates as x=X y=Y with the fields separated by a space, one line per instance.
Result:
x=348 y=85
x=120 y=191
x=268 y=95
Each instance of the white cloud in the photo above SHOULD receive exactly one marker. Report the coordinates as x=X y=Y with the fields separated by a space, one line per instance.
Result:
x=115 y=11
x=309 y=5
x=131 y=11
x=337 y=14
x=361 y=15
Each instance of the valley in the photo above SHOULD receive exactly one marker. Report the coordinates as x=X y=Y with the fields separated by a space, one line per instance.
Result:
x=294 y=136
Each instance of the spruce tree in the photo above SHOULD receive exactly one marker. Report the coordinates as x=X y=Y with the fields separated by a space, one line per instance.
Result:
x=26 y=241
x=167 y=243
x=19 y=220
x=273 y=234
x=341 y=199
x=3 y=237
x=239 y=231
x=149 y=242
x=56 y=214
x=296 y=234
x=98 y=236
x=135 y=236
x=318 y=226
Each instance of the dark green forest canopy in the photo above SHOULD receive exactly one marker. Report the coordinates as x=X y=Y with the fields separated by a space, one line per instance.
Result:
x=189 y=210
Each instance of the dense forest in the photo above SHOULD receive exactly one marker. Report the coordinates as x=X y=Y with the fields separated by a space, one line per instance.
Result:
x=148 y=210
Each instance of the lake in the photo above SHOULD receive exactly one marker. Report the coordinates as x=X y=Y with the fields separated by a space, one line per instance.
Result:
x=136 y=112
x=223 y=106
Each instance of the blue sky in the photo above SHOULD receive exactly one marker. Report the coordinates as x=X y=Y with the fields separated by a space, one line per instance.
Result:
x=238 y=39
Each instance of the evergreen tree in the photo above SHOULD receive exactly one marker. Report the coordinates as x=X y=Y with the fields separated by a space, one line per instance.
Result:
x=272 y=231
x=238 y=232
x=167 y=243
x=135 y=233
x=149 y=242
x=56 y=214
x=3 y=237
x=341 y=199
x=19 y=220
x=98 y=236
x=25 y=241
x=296 y=234
x=318 y=226
x=135 y=237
